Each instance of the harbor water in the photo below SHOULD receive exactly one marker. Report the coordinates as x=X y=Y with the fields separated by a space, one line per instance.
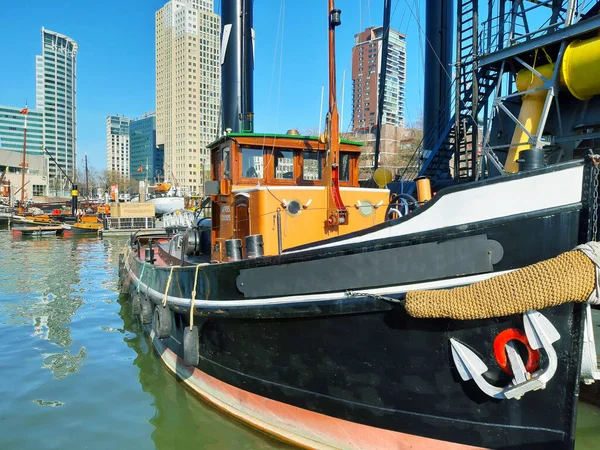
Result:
x=76 y=372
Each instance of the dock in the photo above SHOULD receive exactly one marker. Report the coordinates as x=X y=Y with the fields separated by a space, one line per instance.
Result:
x=40 y=230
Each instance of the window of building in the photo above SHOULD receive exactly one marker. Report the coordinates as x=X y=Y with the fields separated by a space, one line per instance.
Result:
x=39 y=190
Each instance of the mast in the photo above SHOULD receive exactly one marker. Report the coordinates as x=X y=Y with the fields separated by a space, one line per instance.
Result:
x=87 y=185
x=24 y=164
x=336 y=211
x=385 y=40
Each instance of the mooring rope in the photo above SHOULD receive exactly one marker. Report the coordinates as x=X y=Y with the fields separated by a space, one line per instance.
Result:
x=592 y=251
x=193 y=298
x=164 y=300
x=141 y=276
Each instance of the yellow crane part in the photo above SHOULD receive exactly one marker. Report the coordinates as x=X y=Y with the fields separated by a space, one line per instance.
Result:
x=578 y=73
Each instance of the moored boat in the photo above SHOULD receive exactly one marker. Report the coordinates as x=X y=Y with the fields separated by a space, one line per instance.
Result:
x=86 y=225
x=301 y=309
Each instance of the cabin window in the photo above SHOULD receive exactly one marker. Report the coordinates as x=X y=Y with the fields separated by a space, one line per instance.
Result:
x=284 y=164
x=216 y=165
x=344 y=167
x=226 y=155
x=313 y=166
x=252 y=162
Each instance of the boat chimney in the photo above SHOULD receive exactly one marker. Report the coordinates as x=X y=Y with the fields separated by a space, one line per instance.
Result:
x=438 y=59
x=237 y=65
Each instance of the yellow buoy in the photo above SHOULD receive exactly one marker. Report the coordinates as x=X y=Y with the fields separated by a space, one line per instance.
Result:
x=382 y=177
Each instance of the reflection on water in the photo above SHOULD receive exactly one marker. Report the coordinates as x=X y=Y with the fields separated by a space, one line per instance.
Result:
x=82 y=375
x=178 y=409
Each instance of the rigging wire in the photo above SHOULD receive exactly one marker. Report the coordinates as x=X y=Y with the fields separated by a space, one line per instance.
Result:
x=278 y=42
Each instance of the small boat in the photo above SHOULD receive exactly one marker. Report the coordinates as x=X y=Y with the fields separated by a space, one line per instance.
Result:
x=38 y=230
x=86 y=225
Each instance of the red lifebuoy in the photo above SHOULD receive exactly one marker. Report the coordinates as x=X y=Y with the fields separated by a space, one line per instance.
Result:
x=533 y=356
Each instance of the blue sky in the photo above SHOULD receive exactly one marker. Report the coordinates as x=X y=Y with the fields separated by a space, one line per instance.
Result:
x=115 y=66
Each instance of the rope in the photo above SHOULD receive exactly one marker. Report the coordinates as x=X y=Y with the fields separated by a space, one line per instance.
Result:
x=592 y=251
x=164 y=300
x=193 y=298
x=141 y=276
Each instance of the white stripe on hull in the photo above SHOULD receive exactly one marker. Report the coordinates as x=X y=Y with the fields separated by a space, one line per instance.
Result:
x=486 y=202
x=316 y=298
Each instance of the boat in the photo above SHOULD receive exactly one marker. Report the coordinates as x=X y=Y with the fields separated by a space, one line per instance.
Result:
x=87 y=225
x=166 y=199
x=308 y=309
x=39 y=230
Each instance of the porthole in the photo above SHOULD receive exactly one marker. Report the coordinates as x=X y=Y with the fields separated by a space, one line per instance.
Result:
x=294 y=207
x=365 y=208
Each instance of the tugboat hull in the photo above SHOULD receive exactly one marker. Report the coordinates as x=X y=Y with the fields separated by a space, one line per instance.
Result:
x=315 y=346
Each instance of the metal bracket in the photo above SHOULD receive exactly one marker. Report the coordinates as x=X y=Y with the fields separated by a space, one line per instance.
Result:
x=540 y=334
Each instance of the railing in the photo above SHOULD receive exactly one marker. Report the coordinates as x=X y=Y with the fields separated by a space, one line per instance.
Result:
x=128 y=223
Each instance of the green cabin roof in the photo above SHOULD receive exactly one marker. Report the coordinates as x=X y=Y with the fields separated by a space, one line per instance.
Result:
x=278 y=136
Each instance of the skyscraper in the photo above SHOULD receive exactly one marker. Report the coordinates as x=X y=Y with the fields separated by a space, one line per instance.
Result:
x=366 y=68
x=187 y=88
x=117 y=144
x=144 y=152
x=56 y=98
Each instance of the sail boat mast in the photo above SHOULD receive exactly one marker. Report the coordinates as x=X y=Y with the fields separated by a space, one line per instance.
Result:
x=87 y=185
x=24 y=164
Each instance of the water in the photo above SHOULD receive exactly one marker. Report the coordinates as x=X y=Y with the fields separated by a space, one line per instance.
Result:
x=76 y=372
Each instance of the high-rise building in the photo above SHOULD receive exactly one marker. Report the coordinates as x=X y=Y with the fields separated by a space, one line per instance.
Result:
x=145 y=155
x=11 y=130
x=56 y=98
x=117 y=144
x=187 y=89
x=11 y=151
x=366 y=68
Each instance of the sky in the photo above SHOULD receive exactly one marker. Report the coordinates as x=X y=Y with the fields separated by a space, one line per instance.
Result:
x=116 y=62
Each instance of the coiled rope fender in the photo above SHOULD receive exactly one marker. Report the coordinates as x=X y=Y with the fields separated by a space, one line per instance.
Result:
x=573 y=276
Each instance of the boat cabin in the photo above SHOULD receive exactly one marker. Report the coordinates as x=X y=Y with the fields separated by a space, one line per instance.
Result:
x=273 y=185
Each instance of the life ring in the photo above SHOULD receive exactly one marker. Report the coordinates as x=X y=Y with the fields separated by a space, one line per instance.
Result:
x=533 y=356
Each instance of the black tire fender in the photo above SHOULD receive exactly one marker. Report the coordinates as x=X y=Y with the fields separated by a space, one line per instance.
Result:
x=145 y=311
x=162 y=321
x=191 y=346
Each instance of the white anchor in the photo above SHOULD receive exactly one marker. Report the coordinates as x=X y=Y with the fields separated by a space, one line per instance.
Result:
x=540 y=334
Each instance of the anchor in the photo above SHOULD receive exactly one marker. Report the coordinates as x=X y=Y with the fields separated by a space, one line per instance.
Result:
x=540 y=334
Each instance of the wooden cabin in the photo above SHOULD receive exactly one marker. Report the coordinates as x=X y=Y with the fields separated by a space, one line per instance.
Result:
x=271 y=184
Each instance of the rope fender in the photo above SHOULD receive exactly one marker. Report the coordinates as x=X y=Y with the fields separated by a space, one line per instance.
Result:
x=573 y=276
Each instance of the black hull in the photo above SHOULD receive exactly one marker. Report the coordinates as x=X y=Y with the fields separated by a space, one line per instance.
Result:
x=307 y=342
x=390 y=371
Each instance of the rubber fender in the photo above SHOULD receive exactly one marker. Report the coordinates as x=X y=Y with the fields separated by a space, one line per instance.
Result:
x=145 y=311
x=136 y=303
x=191 y=346
x=162 y=321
